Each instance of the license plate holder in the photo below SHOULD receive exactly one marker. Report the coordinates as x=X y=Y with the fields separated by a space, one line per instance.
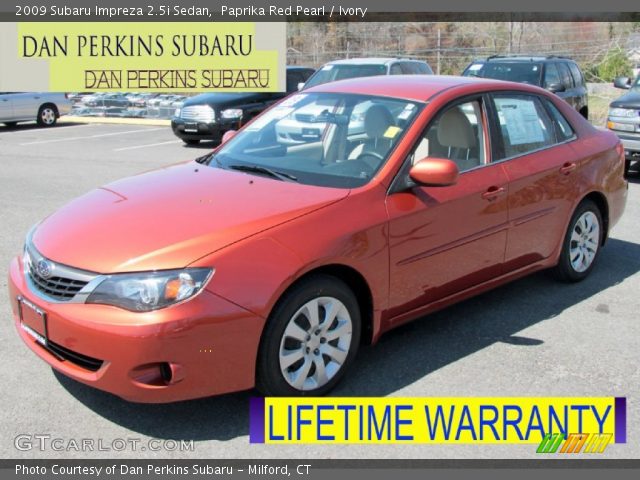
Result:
x=33 y=320
x=191 y=127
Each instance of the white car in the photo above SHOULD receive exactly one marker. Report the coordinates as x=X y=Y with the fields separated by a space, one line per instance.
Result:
x=45 y=108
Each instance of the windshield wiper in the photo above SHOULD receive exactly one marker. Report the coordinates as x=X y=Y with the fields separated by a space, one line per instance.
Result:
x=204 y=159
x=260 y=169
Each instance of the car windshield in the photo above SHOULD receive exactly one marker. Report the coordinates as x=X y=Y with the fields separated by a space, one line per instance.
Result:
x=325 y=139
x=523 y=72
x=331 y=73
x=635 y=87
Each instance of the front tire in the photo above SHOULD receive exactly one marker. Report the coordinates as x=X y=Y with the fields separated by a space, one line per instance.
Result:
x=311 y=338
x=47 y=116
x=582 y=243
x=191 y=141
x=10 y=124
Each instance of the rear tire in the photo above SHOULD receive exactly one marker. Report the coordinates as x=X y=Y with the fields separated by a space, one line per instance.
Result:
x=301 y=355
x=191 y=141
x=10 y=124
x=581 y=244
x=47 y=115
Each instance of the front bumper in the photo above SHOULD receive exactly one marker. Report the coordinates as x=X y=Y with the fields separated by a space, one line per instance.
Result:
x=209 y=343
x=202 y=131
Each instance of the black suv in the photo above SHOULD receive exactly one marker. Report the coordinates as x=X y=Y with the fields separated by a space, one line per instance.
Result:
x=210 y=115
x=559 y=75
x=624 y=118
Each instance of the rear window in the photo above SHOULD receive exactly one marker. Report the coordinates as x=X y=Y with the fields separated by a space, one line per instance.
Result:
x=331 y=73
x=523 y=72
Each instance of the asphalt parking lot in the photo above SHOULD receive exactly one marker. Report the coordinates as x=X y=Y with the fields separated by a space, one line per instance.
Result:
x=534 y=337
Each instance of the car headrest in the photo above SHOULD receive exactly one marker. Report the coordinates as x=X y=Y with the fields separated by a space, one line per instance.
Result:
x=455 y=130
x=377 y=120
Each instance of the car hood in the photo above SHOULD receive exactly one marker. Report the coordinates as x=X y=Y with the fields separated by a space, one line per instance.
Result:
x=171 y=217
x=223 y=99
x=628 y=100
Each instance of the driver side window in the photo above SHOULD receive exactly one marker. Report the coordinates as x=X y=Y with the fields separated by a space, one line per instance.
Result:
x=456 y=134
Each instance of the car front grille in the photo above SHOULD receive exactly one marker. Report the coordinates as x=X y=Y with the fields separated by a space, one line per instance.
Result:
x=60 y=288
x=52 y=281
x=198 y=113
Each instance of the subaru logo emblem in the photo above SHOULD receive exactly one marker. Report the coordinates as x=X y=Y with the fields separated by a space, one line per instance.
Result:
x=44 y=268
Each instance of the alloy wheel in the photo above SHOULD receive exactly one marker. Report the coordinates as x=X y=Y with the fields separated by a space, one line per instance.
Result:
x=315 y=343
x=585 y=239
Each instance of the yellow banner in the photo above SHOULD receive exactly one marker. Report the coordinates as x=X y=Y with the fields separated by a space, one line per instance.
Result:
x=431 y=420
x=161 y=56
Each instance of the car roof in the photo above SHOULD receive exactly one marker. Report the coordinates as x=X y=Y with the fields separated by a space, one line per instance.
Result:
x=410 y=87
x=299 y=67
x=370 y=61
x=523 y=58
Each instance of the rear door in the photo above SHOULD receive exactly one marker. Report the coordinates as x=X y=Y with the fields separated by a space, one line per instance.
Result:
x=580 y=89
x=569 y=94
x=539 y=164
x=26 y=104
x=6 y=107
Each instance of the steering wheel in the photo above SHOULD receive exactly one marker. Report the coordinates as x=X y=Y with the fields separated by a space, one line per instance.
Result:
x=356 y=167
x=370 y=154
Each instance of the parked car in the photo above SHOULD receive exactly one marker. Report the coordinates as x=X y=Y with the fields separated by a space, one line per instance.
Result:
x=210 y=115
x=624 y=118
x=91 y=99
x=117 y=100
x=366 y=67
x=298 y=130
x=142 y=99
x=278 y=261
x=77 y=97
x=559 y=75
x=42 y=107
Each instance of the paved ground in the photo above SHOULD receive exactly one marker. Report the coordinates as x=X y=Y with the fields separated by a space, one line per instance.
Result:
x=534 y=337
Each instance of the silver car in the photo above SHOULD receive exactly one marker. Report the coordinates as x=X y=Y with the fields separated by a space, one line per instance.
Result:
x=44 y=108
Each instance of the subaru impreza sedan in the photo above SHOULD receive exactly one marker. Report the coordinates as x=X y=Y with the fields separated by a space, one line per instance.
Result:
x=268 y=264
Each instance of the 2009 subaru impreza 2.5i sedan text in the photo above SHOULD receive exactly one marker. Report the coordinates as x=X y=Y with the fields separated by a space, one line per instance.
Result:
x=268 y=263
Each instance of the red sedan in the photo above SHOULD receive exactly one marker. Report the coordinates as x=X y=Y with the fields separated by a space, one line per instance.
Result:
x=268 y=263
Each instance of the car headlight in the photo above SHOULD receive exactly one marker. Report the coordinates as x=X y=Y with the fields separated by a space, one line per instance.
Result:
x=177 y=112
x=622 y=112
x=231 y=113
x=143 y=292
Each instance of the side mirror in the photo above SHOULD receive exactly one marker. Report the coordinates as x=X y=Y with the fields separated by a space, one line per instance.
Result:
x=556 y=87
x=434 y=172
x=300 y=85
x=622 y=82
x=228 y=135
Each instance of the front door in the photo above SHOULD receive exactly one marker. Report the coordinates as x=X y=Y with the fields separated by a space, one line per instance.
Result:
x=443 y=240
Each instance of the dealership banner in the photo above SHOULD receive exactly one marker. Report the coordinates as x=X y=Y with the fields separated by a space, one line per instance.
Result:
x=554 y=423
x=147 y=56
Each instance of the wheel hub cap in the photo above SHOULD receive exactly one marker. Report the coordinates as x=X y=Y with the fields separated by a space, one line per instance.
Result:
x=585 y=240
x=315 y=343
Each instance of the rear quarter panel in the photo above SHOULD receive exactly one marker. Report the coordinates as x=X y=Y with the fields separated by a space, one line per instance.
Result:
x=601 y=157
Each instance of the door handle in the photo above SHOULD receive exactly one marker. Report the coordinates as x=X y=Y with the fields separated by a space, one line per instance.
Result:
x=567 y=168
x=493 y=192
